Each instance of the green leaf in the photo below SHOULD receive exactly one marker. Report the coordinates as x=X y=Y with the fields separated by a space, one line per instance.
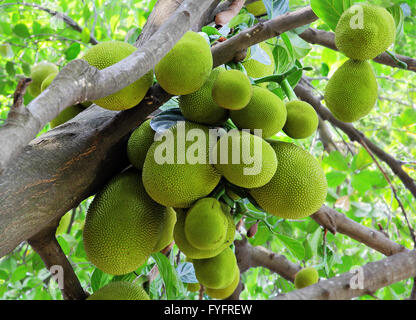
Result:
x=283 y=60
x=10 y=69
x=73 y=51
x=210 y=31
x=294 y=246
x=361 y=160
x=36 y=27
x=186 y=272
x=337 y=161
x=37 y=263
x=330 y=10
x=335 y=178
x=19 y=274
x=4 y=275
x=99 y=279
x=64 y=244
x=406 y=118
x=397 y=13
x=238 y=19
x=6 y=51
x=21 y=30
x=85 y=35
x=276 y=8
x=366 y=180
x=170 y=277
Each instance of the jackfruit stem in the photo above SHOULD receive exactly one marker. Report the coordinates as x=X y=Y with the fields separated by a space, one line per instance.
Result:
x=287 y=88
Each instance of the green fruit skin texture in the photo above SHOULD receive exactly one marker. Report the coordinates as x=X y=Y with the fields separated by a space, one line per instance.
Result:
x=217 y=272
x=298 y=188
x=166 y=235
x=265 y=111
x=122 y=225
x=225 y=292
x=351 y=93
x=120 y=290
x=186 y=67
x=39 y=73
x=206 y=224
x=302 y=120
x=257 y=69
x=306 y=277
x=237 y=173
x=200 y=107
x=193 y=287
x=377 y=34
x=256 y=8
x=194 y=253
x=139 y=143
x=178 y=184
x=232 y=90
x=106 y=54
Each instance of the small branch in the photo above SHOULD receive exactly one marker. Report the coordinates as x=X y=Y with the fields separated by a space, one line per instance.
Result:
x=45 y=244
x=367 y=280
x=223 y=17
x=327 y=39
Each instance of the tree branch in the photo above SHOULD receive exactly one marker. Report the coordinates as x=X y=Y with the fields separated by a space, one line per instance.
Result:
x=327 y=39
x=375 y=275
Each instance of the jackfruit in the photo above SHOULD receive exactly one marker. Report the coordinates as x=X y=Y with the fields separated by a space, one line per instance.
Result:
x=63 y=224
x=257 y=69
x=302 y=120
x=139 y=143
x=199 y=105
x=39 y=73
x=193 y=287
x=120 y=290
x=265 y=111
x=256 y=8
x=122 y=225
x=186 y=67
x=194 y=253
x=206 y=224
x=65 y=115
x=306 y=277
x=298 y=188
x=364 y=31
x=232 y=90
x=166 y=234
x=106 y=54
x=244 y=159
x=177 y=172
x=225 y=292
x=217 y=272
x=352 y=91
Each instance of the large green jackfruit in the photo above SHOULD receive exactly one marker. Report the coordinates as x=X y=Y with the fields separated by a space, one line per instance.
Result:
x=352 y=91
x=123 y=225
x=139 y=143
x=106 y=54
x=364 y=31
x=120 y=290
x=298 y=188
x=166 y=234
x=224 y=292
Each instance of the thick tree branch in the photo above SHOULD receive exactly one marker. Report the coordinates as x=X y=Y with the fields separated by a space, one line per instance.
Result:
x=327 y=39
x=374 y=275
x=304 y=92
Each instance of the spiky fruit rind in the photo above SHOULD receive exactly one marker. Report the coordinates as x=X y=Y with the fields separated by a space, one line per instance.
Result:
x=194 y=253
x=232 y=90
x=244 y=159
x=206 y=224
x=186 y=67
x=302 y=120
x=166 y=234
x=122 y=225
x=366 y=41
x=351 y=93
x=178 y=181
x=225 y=292
x=200 y=107
x=265 y=111
x=306 y=277
x=257 y=69
x=217 y=272
x=39 y=73
x=106 y=54
x=298 y=188
x=120 y=290
x=139 y=143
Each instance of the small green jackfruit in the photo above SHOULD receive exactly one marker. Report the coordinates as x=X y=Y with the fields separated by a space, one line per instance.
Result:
x=306 y=277
x=39 y=73
x=302 y=120
x=166 y=234
x=258 y=69
x=217 y=272
x=298 y=188
x=232 y=90
x=256 y=8
x=176 y=172
x=364 y=31
x=120 y=290
x=139 y=143
x=193 y=287
x=194 y=253
x=186 y=67
x=200 y=107
x=123 y=225
x=206 y=224
x=225 y=292
x=352 y=91
x=244 y=159
x=265 y=111
x=106 y=54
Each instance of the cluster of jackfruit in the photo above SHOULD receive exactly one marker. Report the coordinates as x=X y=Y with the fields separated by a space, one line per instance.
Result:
x=363 y=32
